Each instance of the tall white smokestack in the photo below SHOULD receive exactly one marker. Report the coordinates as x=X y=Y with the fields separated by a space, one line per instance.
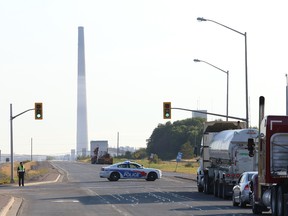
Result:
x=82 y=131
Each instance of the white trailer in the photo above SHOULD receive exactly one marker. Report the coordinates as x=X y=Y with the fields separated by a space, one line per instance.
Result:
x=210 y=129
x=228 y=158
x=98 y=149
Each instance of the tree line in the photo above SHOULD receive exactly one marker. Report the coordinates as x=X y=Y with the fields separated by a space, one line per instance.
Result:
x=180 y=136
x=170 y=138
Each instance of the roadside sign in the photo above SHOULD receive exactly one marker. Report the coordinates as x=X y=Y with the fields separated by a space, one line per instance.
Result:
x=179 y=157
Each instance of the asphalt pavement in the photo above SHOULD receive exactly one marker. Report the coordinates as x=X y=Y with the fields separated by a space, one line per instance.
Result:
x=7 y=201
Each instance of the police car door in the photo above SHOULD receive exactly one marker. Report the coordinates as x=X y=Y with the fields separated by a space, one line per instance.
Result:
x=137 y=171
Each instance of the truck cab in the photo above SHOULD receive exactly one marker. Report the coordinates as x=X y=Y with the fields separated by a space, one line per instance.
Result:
x=270 y=187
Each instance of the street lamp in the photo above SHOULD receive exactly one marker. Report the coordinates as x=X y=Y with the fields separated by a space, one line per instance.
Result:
x=246 y=69
x=227 y=73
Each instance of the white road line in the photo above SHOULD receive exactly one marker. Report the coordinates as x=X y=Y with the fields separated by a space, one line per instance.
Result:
x=116 y=208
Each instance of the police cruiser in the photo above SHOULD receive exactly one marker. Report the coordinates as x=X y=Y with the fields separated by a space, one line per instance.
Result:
x=129 y=170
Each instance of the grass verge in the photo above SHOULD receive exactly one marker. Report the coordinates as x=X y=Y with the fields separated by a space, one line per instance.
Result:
x=33 y=171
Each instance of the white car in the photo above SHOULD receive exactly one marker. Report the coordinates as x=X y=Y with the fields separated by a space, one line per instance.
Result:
x=241 y=191
x=129 y=170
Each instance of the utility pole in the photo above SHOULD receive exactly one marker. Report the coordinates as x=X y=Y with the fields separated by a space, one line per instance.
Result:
x=31 y=147
x=117 y=144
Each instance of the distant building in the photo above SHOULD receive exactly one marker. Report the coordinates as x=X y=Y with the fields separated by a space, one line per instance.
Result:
x=120 y=151
x=200 y=115
x=73 y=155
x=127 y=148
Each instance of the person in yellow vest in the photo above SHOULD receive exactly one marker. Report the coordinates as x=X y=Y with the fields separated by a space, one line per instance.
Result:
x=21 y=173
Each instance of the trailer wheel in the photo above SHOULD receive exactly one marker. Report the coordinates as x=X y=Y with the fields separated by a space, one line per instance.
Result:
x=200 y=188
x=256 y=209
x=220 y=188
x=274 y=202
x=206 y=184
x=224 y=191
x=199 y=181
x=215 y=190
x=280 y=209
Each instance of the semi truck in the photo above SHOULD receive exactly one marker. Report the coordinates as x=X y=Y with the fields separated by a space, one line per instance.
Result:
x=210 y=129
x=269 y=187
x=224 y=158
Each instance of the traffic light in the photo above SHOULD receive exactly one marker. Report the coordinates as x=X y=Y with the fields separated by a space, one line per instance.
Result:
x=38 y=111
x=251 y=147
x=167 y=110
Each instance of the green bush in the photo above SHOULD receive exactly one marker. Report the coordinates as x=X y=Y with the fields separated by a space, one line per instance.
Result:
x=189 y=164
x=155 y=159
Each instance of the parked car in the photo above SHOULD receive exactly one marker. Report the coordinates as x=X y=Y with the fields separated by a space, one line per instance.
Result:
x=129 y=170
x=241 y=191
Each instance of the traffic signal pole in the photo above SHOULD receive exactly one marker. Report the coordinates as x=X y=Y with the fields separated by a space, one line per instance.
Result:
x=232 y=117
x=167 y=112
x=11 y=140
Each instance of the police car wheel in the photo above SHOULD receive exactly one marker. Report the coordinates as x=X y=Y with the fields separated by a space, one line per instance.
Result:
x=114 y=176
x=152 y=176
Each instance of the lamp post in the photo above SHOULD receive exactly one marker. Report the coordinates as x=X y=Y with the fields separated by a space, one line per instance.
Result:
x=227 y=73
x=246 y=69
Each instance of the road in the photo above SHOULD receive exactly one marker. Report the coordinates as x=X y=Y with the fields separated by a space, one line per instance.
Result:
x=82 y=192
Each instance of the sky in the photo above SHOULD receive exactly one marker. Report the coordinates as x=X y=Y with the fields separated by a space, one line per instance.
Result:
x=139 y=54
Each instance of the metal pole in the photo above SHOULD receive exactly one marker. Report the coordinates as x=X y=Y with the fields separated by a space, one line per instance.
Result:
x=246 y=67
x=31 y=147
x=208 y=113
x=227 y=100
x=11 y=146
x=117 y=144
x=286 y=94
x=227 y=73
x=246 y=80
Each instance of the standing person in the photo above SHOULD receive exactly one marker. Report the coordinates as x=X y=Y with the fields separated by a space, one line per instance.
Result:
x=21 y=173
